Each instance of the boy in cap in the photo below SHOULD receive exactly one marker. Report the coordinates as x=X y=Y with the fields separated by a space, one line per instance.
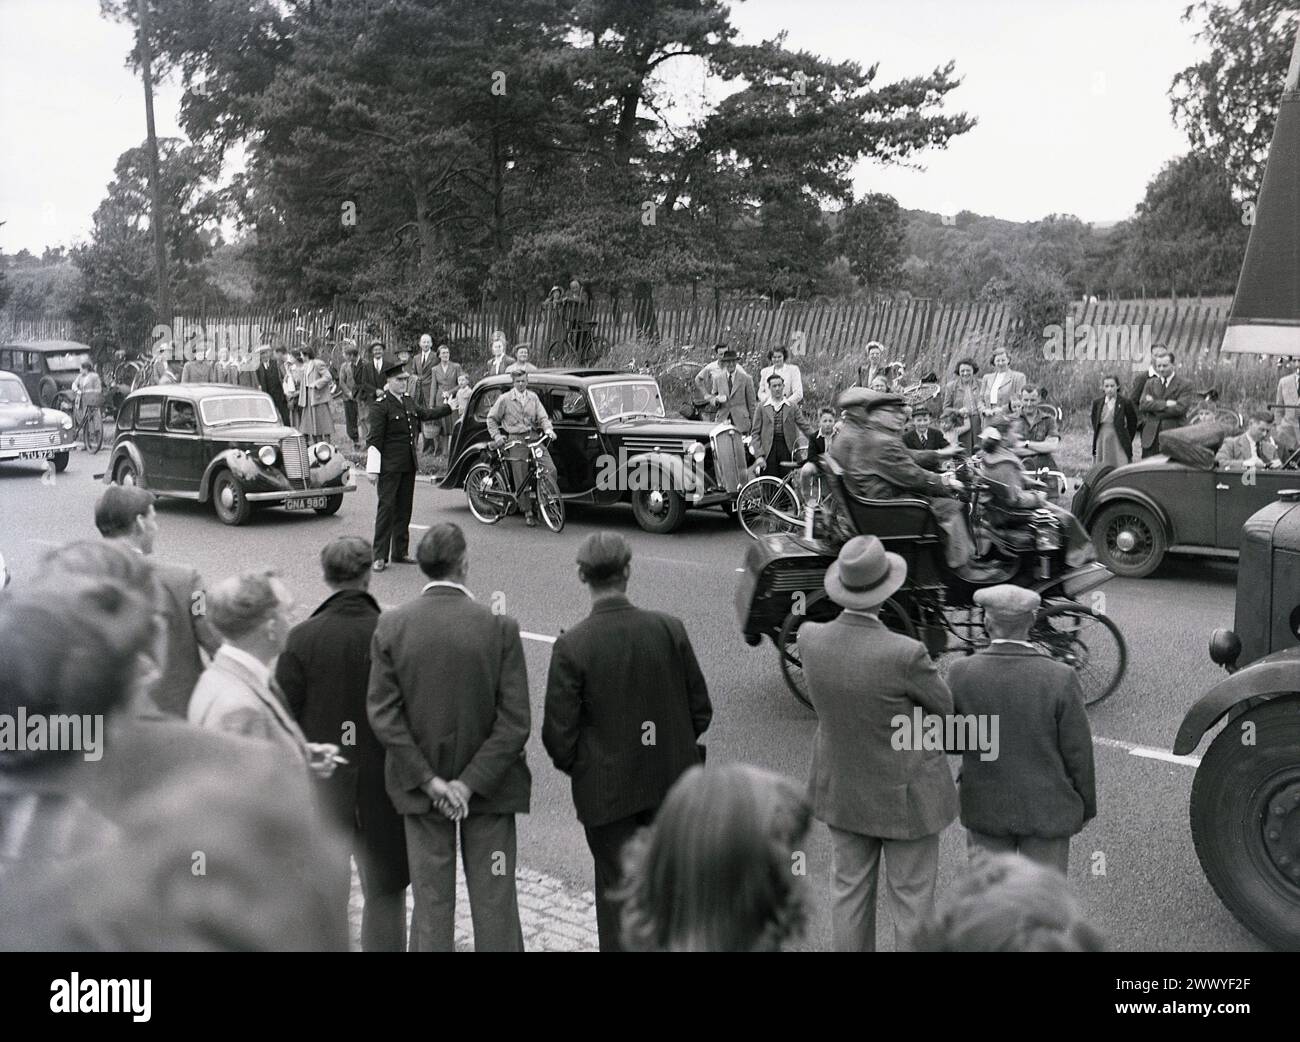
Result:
x=1040 y=789
x=626 y=703
x=879 y=797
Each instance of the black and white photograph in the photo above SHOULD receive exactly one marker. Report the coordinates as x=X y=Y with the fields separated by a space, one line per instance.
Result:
x=652 y=476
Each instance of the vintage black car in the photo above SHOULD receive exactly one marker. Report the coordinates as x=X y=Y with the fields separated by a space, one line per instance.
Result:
x=45 y=367
x=1245 y=805
x=1138 y=513
x=613 y=444
x=225 y=445
x=28 y=432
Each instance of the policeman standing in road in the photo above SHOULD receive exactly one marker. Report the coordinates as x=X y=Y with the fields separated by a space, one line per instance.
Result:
x=395 y=420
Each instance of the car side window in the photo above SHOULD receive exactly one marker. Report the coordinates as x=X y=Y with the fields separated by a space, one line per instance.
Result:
x=33 y=361
x=126 y=416
x=148 y=416
x=4 y=360
x=484 y=404
x=570 y=407
x=181 y=418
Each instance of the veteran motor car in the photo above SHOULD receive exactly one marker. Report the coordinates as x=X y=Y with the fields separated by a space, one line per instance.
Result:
x=224 y=445
x=30 y=432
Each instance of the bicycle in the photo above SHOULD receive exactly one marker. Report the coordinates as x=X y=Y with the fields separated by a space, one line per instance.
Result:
x=489 y=486
x=87 y=412
x=771 y=505
x=581 y=342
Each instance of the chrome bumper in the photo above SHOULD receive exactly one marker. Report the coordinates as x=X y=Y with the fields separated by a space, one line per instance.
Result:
x=42 y=453
x=302 y=493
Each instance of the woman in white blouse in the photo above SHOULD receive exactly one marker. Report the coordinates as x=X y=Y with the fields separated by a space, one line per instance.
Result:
x=1001 y=387
x=788 y=373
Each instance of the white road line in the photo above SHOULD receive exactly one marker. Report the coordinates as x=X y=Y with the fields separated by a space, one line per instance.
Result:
x=1148 y=752
x=422 y=528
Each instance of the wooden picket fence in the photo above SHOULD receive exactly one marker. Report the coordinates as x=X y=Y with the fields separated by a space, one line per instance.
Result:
x=910 y=329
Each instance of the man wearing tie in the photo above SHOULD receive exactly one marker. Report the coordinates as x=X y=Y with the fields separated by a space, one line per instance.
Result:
x=444 y=377
x=422 y=371
x=369 y=379
x=733 y=393
x=395 y=420
x=1164 y=402
x=501 y=362
x=1252 y=449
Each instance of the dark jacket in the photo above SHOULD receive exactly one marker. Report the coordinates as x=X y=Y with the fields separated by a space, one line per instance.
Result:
x=932 y=442
x=324 y=671
x=369 y=383
x=269 y=380
x=1041 y=782
x=763 y=430
x=394 y=426
x=180 y=599
x=877 y=465
x=1155 y=415
x=620 y=669
x=448 y=698
x=1126 y=423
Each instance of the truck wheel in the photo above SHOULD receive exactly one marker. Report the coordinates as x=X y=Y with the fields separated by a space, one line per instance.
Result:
x=658 y=511
x=1245 y=816
x=1130 y=540
x=228 y=499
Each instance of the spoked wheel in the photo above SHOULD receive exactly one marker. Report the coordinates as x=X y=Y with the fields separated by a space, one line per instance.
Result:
x=485 y=489
x=768 y=506
x=892 y=614
x=550 y=504
x=1088 y=643
x=94 y=428
x=1129 y=540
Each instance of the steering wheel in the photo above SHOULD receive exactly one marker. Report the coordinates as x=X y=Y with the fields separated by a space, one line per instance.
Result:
x=1292 y=460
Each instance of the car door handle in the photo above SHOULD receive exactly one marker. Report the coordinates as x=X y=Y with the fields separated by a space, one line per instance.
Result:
x=1222 y=488
x=593 y=437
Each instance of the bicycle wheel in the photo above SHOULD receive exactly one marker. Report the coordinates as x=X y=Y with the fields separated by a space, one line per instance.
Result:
x=93 y=426
x=1088 y=643
x=486 y=492
x=550 y=504
x=767 y=506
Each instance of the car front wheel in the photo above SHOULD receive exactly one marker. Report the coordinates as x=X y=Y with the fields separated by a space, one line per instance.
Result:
x=331 y=507
x=125 y=473
x=1245 y=817
x=1129 y=539
x=61 y=462
x=228 y=499
x=658 y=511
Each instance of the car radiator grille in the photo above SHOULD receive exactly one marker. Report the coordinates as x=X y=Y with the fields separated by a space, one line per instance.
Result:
x=29 y=440
x=729 y=458
x=642 y=444
x=294 y=453
x=791 y=579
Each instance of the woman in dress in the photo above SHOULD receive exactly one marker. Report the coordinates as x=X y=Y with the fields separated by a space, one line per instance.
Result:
x=1114 y=422
x=962 y=395
x=313 y=397
x=1000 y=388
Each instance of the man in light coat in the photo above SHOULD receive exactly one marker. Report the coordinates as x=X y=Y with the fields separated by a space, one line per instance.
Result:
x=881 y=793
x=732 y=393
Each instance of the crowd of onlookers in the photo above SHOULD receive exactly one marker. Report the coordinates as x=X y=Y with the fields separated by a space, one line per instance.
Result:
x=248 y=756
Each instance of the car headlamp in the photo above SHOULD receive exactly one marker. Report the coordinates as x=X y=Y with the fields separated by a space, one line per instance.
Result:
x=697 y=452
x=324 y=452
x=66 y=421
x=266 y=454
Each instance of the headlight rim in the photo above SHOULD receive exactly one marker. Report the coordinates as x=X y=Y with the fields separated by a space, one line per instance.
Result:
x=262 y=455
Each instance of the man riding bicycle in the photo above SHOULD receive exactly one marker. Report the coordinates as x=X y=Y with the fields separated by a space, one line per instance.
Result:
x=518 y=415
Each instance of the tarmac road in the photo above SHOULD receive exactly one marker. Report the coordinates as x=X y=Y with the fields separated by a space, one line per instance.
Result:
x=1134 y=866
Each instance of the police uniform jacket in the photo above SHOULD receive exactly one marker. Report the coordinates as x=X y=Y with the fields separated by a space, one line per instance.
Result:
x=394 y=424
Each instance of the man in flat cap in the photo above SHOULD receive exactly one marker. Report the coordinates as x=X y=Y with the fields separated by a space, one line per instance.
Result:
x=881 y=798
x=626 y=703
x=1039 y=789
x=877 y=465
x=391 y=459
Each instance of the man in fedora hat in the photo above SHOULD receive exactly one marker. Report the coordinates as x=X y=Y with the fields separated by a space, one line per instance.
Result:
x=877 y=465
x=732 y=393
x=1039 y=790
x=391 y=459
x=879 y=796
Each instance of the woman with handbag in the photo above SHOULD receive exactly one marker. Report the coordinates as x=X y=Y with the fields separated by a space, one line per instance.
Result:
x=314 y=397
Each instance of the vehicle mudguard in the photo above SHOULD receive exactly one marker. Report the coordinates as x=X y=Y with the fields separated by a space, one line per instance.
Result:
x=455 y=476
x=133 y=454
x=663 y=465
x=1264 y=680
x=1126 y=492
x=242 y=465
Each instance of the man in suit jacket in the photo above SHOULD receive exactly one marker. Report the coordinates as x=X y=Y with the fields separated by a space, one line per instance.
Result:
x=1287 y=406
x=448 y=700
x=874 y=365
x=778 y=426
x=732 y=394
x=127 y=515
x=1253 y=447
x=444 y=378
x=704 y=383
x=270 y=380
x=921 y=437
x=880 y=795
x=500 y=362
x=391 y=462
x=1034 y=788
x=1164 y=402
x=324 y=672
x=421 y=366
x=237 y=693
x=625 y=705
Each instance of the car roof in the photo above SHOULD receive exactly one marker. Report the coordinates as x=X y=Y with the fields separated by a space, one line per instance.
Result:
x=569 y=377
x=49 y=346
x=197 y=392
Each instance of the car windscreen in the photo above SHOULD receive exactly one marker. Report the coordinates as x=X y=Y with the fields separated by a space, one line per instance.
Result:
x=639 y=398
x=68 y=363
x=238 y=408
x=12 y=392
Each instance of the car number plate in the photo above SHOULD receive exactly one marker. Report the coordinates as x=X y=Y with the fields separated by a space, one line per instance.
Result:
x=314 y=503
x=37 y=454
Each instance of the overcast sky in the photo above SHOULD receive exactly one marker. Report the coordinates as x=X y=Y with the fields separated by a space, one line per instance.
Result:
x=1071 y=98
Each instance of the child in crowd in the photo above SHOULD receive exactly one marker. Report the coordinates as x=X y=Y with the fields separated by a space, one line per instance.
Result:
x=461 y=401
